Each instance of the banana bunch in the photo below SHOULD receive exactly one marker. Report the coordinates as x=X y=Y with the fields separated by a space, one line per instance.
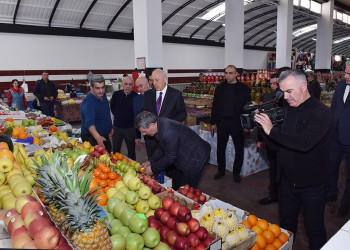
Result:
x=74 y=142
x=26 y=164
x=19 y=153
x=61 y=136
x=106 y=159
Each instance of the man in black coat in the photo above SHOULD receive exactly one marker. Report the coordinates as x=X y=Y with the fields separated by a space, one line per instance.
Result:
x=303 y=155
x=314 y=86
x=177 y=144
x=46 y=92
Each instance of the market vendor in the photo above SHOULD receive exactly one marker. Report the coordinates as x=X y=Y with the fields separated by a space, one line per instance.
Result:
x=96 y=121
x=177 y=145
x=16 y=97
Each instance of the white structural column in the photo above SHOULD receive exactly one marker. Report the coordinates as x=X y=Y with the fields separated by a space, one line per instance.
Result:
x=234 y=32
x=284 y=33
x=148 y=32
x=324 y=37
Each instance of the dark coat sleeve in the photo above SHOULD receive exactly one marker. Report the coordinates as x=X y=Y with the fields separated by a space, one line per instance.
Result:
x=180 y=109
x=112 y=104
x=215 y=108
x=37 y=91
x=54 y=90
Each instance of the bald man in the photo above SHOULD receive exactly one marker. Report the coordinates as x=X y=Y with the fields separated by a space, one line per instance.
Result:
x=142 y=85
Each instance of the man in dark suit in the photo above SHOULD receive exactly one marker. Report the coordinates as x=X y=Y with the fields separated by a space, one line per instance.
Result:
x=313 y=85
x=162 y=101
x=340 y=145
x=177 y=144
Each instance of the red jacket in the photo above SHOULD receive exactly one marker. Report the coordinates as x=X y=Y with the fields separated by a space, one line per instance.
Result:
x=9 y=96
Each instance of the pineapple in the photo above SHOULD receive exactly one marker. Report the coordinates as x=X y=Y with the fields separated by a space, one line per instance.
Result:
x=207 y=221
x=219 y=214
x=221 y=229
x=74 y=210
x=231 y=221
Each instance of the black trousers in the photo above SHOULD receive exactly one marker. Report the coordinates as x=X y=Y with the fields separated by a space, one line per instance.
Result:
x=128 y=134
x=224 y=130
x=93 y=142
x=272 y=157
x=312 y=200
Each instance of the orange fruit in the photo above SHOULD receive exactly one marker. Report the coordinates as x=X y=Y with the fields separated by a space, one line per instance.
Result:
x=252 y=219
x=9 y=119
x=22 y=129
x=103 y=199
x=257 y=229
x=15 y=132
x=36 y=141
x=112 y=175
x=93 y=184
x=97 y=172
x=119 y=156
x=22 y=135
x=275 y=229
x=53 y=128
x=270 y=247
x=269 y=236
x=277 y=244
x=125 y=160
x=263 y=224
x=255 y=247
x=4 y=145
x=103 y=176
x=283 y=237
x=246 y=224
x=6 y=154
x=106 y=169
x=261 y=241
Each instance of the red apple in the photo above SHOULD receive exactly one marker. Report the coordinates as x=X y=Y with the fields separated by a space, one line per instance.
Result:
x=167 y=202
x=20 y=240
x=202 y=233
x=63 y=240
x=171 y=237
x=151 y=183
x=184 y=214
x=164 y=232
x=36 y=225
x=190 y=196
x=113 y=160
x=156 y=189
x=22 y=200
x=47 y=238
x=29 y=245
x=198 y=192
x=175 y=208
x=9 y=215
x=15 y=222
x=34 y=214
x=208 y=241
x=158 y=213
x=146 y=179
x=97 y=154
x=162 y=189
x=196 y=199
x=182 y=243
x=151 y=218
x=182 y=229
x=172 y=222
x=180 y=190
x=64 y=247
x=193 y=225
x=193 y=239
x=104 y=151
x=201 y=247
x=156 y=225
x=165 y=217
x=191 y=190
x=187 y=187
x=32 y=205
x=203 y=198
x=17 y=231
x=185 y=192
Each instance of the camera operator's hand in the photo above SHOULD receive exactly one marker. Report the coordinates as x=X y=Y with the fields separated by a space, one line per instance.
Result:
x=212 y=129
x=265 y=122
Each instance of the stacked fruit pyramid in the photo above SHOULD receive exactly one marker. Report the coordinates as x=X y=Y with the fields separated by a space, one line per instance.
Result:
x=73 y=206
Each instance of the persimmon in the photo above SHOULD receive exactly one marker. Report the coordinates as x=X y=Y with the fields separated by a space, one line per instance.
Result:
x=119 y=156
x=275 y=229
x=269 y=236
x=101 y=165
x=283 y=237
x=105 y=169
x=112 y=175
x=97 y=172
x=252 y=219
x=103 y=183
x=103 y=176
x=106 y=189
x=111 y=183
x=263 y=224
x=93 y=184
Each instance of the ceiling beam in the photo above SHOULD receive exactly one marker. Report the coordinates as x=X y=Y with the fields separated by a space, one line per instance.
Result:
x=16 y=11
x=260 y=15
x=205 y=23
x=87 y=13
x=53 y=11
x=177 y=10
x=118 y=13
x=212 y=32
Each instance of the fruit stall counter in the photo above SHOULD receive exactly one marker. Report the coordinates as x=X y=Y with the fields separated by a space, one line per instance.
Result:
x=69 y=110
x=341 y=240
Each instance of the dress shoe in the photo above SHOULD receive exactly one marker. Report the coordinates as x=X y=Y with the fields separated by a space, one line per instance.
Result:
x=218 y=176
x=268 y=200
x=331 y=198
x=237 y=178
x=343 y=210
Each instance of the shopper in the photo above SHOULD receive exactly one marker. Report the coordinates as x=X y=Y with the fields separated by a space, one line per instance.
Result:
x=229 y=100
x=46 y=91
x=303 y=156
x=142 y=85
x=125 y=105
x=340 y=144
x=96 y=122
x=177 y=144
x=314 y=86
x=16 y=98
x=162 y=101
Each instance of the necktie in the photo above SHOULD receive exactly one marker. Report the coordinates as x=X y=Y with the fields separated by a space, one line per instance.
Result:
x=159 y=102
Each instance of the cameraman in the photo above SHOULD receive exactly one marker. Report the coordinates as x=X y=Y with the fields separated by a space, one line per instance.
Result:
x=303 y=156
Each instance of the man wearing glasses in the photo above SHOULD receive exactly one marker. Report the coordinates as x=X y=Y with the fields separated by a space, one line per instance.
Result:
x=96 y=122
x=340 y=145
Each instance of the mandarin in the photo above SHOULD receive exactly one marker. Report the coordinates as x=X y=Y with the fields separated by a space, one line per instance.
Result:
x=275 y=229
x=252 y=219
x=263 y=224
x=269 y=236
x=246 y=224
x=283 y=237
x=255 y=247
x=270 y=247
x=257 y=229
x=261 y=241
x=277 y=244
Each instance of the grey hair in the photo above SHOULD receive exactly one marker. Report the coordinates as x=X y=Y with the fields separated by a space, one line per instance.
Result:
x=296 y=74
x=163 y=72
x=128 y=77
x=97 y=78
x=144 y=119
x=142 y=78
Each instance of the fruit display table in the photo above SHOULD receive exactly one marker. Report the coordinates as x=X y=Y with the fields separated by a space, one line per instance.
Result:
x=68 y=112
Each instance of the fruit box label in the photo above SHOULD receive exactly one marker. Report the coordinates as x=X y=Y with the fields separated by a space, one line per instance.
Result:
x=216 y=245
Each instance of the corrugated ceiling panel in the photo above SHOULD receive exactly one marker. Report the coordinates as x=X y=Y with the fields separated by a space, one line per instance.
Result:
x=35 y=11
x=70 y=13
x=200 y=4
x=101 y=15
x=7 y=10
x=168 y=7
x=128 y=11
x=122 y=24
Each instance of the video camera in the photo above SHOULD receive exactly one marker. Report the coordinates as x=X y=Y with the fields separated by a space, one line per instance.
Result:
x=272 y=108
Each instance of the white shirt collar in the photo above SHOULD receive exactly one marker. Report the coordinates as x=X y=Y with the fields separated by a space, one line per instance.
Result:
x=346 y=92
x=163 y=91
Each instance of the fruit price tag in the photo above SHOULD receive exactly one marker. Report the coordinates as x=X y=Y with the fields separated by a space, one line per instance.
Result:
x=141 y=216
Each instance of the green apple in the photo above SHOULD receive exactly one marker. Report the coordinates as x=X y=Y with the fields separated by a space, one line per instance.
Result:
x=115 y=225
x=119 y=195
x=151 y=237
x=124 y=230
x=154 y=202
x=137 y=224
x=144 y=192
x=2 y=178
x=137 y=166
x=126 y=178
x=10 y=203
x=31 y=122
x=119 y=184
x=110 y=192
x=150 y=213
x=124 y=190
x=118 y=242
x=5 y=191
x=142 y=207
x=134 y=183
x=162 y=246
x=131 y=170
x=30 y=179
x=126 y=215
x=131 y=197
x=134 y=241
x=5 y=165
x=110 y=216
x=111 y=202
x=22 y=188
x=117 y=210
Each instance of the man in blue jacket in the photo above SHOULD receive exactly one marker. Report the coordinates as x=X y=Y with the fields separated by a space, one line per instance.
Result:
x=340 y=145
x=177 y=144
